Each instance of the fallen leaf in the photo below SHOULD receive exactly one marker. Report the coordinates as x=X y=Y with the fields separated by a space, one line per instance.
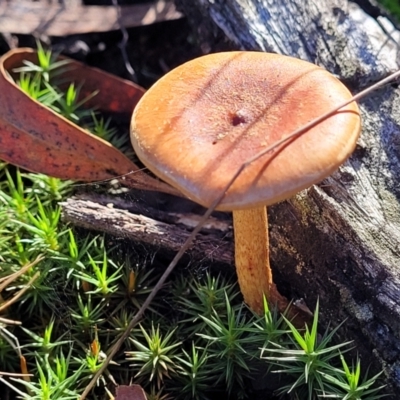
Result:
x=37 y=139
x=132 y=392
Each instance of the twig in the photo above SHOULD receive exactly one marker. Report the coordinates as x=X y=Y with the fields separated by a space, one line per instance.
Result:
x=20 y=293
x=14 y=374
x=124 y=41
x=12 y=277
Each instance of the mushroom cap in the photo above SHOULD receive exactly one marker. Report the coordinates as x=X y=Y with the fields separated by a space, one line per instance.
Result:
x=199 y=123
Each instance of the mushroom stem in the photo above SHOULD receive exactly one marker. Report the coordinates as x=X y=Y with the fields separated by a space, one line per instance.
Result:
x=252 y=259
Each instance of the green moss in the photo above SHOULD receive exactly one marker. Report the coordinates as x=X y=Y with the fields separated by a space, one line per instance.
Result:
x=393 y=6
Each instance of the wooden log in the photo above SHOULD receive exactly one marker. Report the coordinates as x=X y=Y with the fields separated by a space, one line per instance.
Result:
x=339 y=240
x=164 y=231
x=72 y=18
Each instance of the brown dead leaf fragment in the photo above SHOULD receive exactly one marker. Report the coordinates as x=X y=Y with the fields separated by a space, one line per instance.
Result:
x=37 y=139
x=132 y=392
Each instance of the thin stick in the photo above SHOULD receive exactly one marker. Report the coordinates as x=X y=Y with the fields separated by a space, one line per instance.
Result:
x=20 y=293
x=14 y=374
x=123 y=43
x=9 y=321
x=11 y=278
x=212 y=207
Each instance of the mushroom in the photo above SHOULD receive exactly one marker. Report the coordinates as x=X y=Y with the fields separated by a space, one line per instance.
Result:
x=199 y=123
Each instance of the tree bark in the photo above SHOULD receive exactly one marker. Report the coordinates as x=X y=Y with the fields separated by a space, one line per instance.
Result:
x=339 y=241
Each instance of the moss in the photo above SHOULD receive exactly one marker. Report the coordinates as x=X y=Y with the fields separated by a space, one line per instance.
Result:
x=392 y=6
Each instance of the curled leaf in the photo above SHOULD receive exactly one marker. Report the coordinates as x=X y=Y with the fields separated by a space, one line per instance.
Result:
x=37 y=139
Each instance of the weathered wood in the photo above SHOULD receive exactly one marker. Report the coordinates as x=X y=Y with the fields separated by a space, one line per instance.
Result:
x=340 y=240
x=71 y=17
x=166 y=233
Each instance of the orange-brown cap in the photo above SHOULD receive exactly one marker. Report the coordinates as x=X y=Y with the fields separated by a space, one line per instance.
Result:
x=200 y=122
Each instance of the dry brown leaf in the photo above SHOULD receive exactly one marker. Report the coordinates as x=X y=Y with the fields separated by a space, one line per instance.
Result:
x=37 y=139
x=132 y=392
